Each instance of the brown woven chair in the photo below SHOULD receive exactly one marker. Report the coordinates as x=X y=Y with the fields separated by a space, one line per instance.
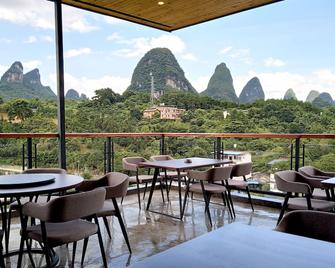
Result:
x=240 y=170
x=116 y=185
x=168 y=174
x=315 y=173
x=292 y=182
x=40 y=199
x=214 y=178
x=312 y=224
x=61 y=222
x=132 y=165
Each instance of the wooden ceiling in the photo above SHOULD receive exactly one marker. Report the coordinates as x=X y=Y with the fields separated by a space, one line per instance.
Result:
x=172 y=14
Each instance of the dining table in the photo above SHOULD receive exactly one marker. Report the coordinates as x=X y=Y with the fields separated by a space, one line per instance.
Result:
x=179 y=165
x=17 y=186
x=329 y=184
x=238 y=245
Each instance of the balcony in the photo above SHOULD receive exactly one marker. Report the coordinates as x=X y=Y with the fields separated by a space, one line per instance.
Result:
x=151 y=233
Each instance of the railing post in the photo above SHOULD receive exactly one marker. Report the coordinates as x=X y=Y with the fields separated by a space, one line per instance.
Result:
x=113 y=156
x=30 y=153
x=297 y=154
x=109 y=154
x=162 y=145
x=214 y=149
x=23 y=156
x=291 y=158
x=303 y=155
x=218 y=148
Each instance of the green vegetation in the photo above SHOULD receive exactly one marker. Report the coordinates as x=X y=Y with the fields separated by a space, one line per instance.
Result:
x=111 y=112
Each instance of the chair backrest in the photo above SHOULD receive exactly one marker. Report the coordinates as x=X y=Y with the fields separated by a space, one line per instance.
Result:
x=313 y=224
x=221 y=173
x=117 y=185
x=292 y=181
x=45 y=170
x=241 y=169
x=311 y=171
x=72 y=207
x=161 y=157
x=212 y=174
x=131 y=163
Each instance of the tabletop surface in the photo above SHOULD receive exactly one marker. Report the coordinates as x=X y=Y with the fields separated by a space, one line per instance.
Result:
x=239 y=246
x=196 y=162
x=62 y=182
x=330 y=181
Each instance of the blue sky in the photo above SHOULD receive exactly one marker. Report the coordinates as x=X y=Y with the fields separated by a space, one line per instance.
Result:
x=289 y=44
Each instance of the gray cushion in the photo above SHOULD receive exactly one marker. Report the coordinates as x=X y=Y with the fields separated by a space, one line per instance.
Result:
x=209 y=187
x=107 y=210
x=63 y=233
x=142 y=178
x=301 y=203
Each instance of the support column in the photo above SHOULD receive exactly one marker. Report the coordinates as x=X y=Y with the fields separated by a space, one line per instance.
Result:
x=297 y=154
x=218 y=148
x=60 y=84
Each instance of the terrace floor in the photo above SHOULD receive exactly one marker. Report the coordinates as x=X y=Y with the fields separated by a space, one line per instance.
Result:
x=151 y=233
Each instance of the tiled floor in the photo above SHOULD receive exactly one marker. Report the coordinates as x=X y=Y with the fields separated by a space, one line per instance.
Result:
x=151 y=233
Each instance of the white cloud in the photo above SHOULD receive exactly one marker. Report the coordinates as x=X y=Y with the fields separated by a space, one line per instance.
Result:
x=47 y=38
x=237 y=54
x=225 y=50
x=4 y=40
x=275 y=84
x=30 y=65
x=114 y=36
x=31 y=39
x=189 y=56
x=201 y=83
x=89 y=85
x=111 y=20
x=272 y=62
x=3 y=69
x=139 y=46
x=77 y=52
x=40 y=14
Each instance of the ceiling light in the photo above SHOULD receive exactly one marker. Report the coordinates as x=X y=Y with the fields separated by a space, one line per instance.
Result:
x=160 y=3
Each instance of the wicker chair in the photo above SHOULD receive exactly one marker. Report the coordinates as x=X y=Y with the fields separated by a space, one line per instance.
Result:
x=312 y=224
x=116 y=186
x=61 y=222
x=132 y=165
x=292 y=182
x=214 y=179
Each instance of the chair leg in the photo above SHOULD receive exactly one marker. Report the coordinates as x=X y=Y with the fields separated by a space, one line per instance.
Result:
x=107 y=227
x=28 y=245
x=167 y=189
x=206 y=202
x=101 y=244
x=283 y=208
x=9 y=221
x=84 y=250
x=145 y=189
x=231 y=202
x=250 y=200
x=138 y=195
x=123 y=228
x=45 y=244
x=186 y=194
x=161 y=186
x=122 y=200
x=226 y=198
x=74 y=253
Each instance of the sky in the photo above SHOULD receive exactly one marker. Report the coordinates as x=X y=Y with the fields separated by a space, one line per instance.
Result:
x=289 y=44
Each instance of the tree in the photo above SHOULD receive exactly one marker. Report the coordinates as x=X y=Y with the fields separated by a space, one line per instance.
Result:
x=106 y=96
x=20 y=109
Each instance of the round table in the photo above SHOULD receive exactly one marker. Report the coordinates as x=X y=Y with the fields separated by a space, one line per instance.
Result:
x=33 y=185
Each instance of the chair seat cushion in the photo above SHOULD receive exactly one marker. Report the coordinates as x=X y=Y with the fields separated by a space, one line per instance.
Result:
x=239 y=184
x=107 y=210
x=63 y=233
x=142 y=178
x=301 y=203
x=209 y=187
x=172 y=174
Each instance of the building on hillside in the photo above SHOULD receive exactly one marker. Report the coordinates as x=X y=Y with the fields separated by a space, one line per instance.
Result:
x=165 y=112
x=237 y=156
x=5 y=118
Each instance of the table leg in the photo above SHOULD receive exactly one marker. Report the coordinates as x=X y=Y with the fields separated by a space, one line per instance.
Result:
x=179 y=191
x=152 y=187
